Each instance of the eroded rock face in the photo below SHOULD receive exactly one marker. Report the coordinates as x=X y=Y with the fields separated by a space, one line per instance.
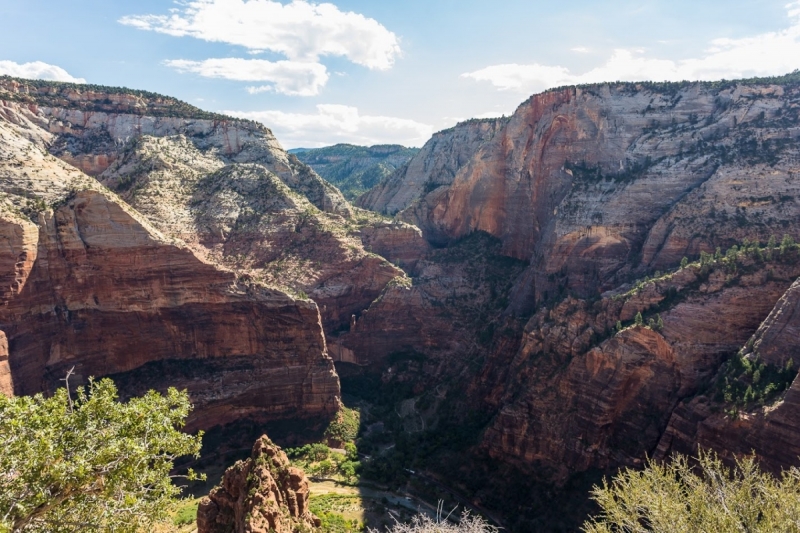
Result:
x=90 y=126
x=592 y=183
x=223 y=186
x=262 y=494
x=92 y=284
x=434 y=166
x=606 y=403
x=6 y=381
x=771 y=430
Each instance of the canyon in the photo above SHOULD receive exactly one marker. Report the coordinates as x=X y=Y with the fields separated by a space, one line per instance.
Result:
x=608 y=274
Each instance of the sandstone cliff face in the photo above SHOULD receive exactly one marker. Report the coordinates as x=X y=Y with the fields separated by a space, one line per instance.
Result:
x=590 y=183
x=90 y=126
x=434 y=166
x=770 y=430
x=607 y=402
x=243 y=216
x=262 y=494
x=223 y=186
x=92 y=284
x=597 y=186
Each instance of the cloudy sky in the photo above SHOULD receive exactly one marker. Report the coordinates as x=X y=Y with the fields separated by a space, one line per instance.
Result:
x=388 y=71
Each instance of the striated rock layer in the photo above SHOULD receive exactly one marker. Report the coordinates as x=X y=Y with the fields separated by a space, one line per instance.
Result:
x=262 y=494
x=89 y=283
x=594 y=187
x=223 y=186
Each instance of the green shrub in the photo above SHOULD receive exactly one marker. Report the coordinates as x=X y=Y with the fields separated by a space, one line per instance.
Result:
x=85 y=461
x=678 y=496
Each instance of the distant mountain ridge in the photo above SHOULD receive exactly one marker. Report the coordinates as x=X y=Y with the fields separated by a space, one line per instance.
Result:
x=355 y=169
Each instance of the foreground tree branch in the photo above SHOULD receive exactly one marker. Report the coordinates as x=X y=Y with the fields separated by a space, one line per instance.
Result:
x=83 y=461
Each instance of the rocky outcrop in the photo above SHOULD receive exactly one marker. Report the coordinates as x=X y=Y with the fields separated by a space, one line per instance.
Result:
x=770 y=430
x=433 y=167
x=93 y=285
x=596 y=186
x=90 y=124
x=224 y=186
x=262 y=494
x=243 y=216
x=605 y=403
x=6 y=381
x=401 y=243
x=590 y=183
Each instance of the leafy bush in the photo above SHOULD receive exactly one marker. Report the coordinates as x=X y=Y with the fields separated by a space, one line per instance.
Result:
x=344 y=428
x=90 y=463
x=328 y=508
x=710 y=497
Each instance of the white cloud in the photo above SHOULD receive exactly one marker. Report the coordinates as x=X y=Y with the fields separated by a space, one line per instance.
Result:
x=37 y=70
x=333 y=124
x=300 y=30
x=766 y=54
x=285 y=77
x=580 y=50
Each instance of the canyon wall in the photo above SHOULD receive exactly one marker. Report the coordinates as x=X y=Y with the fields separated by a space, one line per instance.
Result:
x=603 y=190
x=223 y=186
x=89 y=283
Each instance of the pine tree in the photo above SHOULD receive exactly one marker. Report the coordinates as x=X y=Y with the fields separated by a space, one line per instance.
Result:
x=638 y=320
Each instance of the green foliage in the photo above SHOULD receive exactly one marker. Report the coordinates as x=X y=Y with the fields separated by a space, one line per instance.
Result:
x=710 y=497
x=356 y=169
x=186 y=513
x=329 y=509
x=312 y=452
x=317 y=459
x=344 y=428
x=90 y=463
x=745 y=382
x=638 y=320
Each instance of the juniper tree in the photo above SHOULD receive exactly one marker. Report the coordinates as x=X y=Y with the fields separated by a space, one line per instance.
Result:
x=84 y=461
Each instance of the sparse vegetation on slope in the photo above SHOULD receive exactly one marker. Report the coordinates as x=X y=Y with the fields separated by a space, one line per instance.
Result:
x=52 y=93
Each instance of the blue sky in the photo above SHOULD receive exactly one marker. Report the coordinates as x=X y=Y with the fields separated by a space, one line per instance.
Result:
x=385 y=71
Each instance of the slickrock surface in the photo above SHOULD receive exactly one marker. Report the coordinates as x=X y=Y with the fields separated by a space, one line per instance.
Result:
x=262 y=494
x=92 y=284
